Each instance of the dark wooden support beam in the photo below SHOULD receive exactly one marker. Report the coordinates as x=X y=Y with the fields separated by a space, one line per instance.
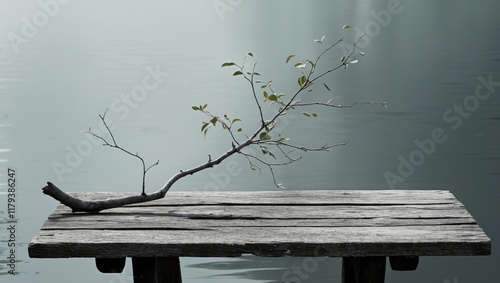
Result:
x=363 y=269
x=156 y=270
x=110 y=265
x=404 y=263
x=168 y=270
x=144 y=269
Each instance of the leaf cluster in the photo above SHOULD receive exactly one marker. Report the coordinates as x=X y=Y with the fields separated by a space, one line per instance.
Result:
x=268 y=142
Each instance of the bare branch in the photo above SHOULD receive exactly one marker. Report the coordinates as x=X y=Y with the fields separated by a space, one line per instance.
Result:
x=325 y=147
x=115 y=145
x=252 y=85
x=343 y=107
x=157 y=162
x=271 y=165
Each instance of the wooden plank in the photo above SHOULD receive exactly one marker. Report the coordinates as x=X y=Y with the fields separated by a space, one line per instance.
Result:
x=290 y=211
x=311 y=197
x=298 y=223
x=155 y=217
x=265 y=241
x=164 y=223
x=267 y=213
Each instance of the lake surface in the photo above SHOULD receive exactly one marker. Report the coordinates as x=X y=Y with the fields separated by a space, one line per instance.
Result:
x=436 y=63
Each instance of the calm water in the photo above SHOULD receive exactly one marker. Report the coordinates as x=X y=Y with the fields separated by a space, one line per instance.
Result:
x=425 y=60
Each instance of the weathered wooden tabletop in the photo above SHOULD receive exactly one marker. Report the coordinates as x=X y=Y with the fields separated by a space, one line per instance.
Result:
x=285 y=223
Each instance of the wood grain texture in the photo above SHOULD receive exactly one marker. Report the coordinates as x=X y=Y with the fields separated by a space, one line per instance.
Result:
x=285 y=223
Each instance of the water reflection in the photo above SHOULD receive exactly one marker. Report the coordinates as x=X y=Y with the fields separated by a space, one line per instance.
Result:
x=270 y=269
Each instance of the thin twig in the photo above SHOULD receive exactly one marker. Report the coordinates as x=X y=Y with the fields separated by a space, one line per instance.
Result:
x=252 y=84
x=115 y=145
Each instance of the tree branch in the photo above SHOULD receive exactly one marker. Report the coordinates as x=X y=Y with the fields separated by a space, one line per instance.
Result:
x=98 y=205
x=261 y=136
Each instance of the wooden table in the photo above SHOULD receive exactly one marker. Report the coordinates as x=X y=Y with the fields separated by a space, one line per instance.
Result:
x=363 y=227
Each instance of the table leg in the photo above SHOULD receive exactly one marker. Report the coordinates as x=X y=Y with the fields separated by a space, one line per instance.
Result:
x=110 y=265
x=168 y=270
x=363 y=269
x=156 y=270
x=404 y=263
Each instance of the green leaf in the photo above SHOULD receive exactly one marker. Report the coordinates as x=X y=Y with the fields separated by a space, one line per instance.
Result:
x=250 y=54
x=346 y=27
x=265 y=150
x=195 y=107
x=272 y=97
x=204 y=106
x=239 y=130
x=235 y=120
x=237 y=73
x=205 y=125
x=263 y=136
x=300 y=65
x=289 y=57
x=204 y=128
x=307 y=114
x=266 y=84
x=320 y=40
x=326 y=86
x=282 y=140
x=227 y=64
x=302 y=80
x=265 y=94
x=315 y=115
x=271 y=154
x=213 y=120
